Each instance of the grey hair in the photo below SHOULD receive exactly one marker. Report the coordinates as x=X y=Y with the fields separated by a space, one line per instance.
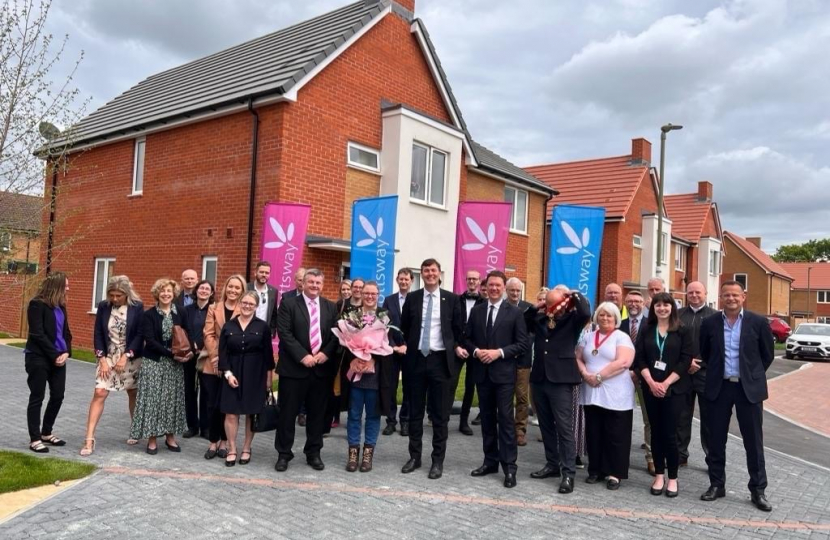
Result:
x=313 y=272
x=562 y=287
x=514 y=279
x=661 y=280
x=252 y=294
x=123 y=285
x=611 y=309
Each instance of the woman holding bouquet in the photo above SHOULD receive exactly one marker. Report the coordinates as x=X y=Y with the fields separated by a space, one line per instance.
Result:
x=363 y=333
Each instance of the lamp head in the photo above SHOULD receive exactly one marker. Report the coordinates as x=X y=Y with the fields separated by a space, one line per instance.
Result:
x=670 y=127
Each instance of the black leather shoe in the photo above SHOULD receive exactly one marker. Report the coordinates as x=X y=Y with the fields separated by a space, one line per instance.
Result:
x=713 y=493
x=484 y=470
x=465 y=429
x=389 y=429
x=210 y=454
x=404 y=430
x=760 y=501
x=222 y=453
x=567 y=485
x=282 y=464
x=510 y=480
x=477 y=420
x=192 y=432
x=656 y=492
x=592 y=479
x=436 y=471
x=613 y=484
x=301 y=420
x=153 y=451
x=315 y=463
x=546 y=472
x=411 y=465
x=172 y=448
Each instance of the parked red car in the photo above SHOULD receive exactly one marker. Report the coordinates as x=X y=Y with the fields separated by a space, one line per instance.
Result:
x=780 y=329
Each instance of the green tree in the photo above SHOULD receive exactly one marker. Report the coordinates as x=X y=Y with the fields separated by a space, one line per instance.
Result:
x=814 y=250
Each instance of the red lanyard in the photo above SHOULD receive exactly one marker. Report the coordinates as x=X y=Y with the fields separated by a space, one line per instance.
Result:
x=598 y=343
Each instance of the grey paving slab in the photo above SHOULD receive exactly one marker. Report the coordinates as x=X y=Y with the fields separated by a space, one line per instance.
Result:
x=182 y=495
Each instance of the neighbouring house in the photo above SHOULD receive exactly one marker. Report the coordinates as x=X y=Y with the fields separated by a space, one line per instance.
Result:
x=354 y=103
x=810 y=292
x=766 y=282
x=697 y=241
x=20 y=222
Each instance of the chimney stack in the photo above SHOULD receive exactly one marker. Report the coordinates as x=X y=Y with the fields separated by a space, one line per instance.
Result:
x=704 y=191
x=640 y=152
x=754 y=240
x=408 y=5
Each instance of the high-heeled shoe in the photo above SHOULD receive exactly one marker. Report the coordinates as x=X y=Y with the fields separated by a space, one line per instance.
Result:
x=230 y=462
x=243 y=461
x=87 y=451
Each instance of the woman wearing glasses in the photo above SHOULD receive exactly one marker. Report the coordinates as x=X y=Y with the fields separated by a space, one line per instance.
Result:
x=246 y=360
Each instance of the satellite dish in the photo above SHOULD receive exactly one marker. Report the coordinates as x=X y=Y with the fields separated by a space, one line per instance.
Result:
x=48 y=131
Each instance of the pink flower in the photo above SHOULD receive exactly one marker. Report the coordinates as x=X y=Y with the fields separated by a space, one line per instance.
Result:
x=363 y=342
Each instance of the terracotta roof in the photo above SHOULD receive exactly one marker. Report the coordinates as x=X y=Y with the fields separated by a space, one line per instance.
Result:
x=754 y=252
x=688 y=215
x=608 y=182
x=20 y=212
x=819 y=275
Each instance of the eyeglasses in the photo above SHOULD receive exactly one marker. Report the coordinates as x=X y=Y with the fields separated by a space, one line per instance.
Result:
x=370 y=294
x=248 y=304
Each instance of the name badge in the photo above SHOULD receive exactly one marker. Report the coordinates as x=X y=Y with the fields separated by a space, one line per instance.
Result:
x=660 y=365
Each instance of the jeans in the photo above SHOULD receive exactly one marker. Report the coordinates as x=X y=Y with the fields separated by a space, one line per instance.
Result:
x=360 y=399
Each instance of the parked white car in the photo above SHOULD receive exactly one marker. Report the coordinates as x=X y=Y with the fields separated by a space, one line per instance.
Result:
x=810 y=340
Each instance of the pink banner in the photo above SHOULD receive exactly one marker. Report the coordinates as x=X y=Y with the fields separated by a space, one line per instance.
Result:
x=284 y=229
x=480 y=239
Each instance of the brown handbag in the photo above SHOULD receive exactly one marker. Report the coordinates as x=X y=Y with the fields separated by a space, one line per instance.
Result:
x=181 y=344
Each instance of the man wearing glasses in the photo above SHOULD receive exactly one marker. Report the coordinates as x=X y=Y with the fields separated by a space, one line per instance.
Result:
x=469 y=299
x=266 y=310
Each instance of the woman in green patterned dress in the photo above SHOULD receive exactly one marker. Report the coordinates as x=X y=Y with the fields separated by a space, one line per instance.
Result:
x=160 y=405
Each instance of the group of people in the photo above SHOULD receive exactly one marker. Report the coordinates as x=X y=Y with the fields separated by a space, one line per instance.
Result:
x=581 y=371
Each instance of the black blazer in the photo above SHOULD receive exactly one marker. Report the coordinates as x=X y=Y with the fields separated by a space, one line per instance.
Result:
x=755 y=355
x=293 y=325
x=693 y=320
x=42 y=331
x=509 y=334
x=196 y=318
x=101 y=337
x=271 y=316
x=525 y=360
x=392 y=306
x=556 y=349
x=452 y=325
x=463 y=299
x=154 y=346
x=677 y=354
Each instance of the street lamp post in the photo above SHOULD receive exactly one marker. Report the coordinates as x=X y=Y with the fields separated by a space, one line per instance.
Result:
x=809 y=293
x=663 y=130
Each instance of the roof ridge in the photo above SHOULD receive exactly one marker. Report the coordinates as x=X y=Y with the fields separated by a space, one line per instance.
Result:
x=743 y=244
x=580 y=161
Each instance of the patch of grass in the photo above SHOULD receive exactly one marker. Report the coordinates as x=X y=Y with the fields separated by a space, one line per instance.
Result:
x=21 y=471
x=459 y=391
x=780 y=346
x=84 y=355
x=4 y=335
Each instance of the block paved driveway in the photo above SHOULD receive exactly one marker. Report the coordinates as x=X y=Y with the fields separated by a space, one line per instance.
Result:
x=182 y=495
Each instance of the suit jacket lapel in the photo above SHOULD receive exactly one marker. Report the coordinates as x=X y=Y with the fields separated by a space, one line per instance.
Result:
x=500 y=315
x=304 y=311
x=721 y=342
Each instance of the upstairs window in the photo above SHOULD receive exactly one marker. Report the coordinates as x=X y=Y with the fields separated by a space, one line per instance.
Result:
x=743 y=280
x=138 y=166
x=363 y=157
x=517 y=197
x=429 y=175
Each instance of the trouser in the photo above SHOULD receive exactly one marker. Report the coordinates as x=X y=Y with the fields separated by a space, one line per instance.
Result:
x=646 y=423
x=498 y=429
x=553 y=403
x=361 y=399
x=397 y=365
x=428 y=382
x=469 y=391
x=313 y=391
x=750 y=421
x=684 y=427
x=608 y=435
x=522 y=394
x=665 y=415
x=42 y=372
x=191 y=405
x=212 y=418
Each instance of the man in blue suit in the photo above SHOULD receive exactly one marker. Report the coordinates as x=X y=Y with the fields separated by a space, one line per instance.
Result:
x=393 y=305
x=736 y=346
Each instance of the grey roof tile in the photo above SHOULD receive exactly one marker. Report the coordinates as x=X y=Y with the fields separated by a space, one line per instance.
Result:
x=489 y=160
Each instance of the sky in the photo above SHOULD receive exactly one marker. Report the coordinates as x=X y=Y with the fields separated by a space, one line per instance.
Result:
x=550 y=81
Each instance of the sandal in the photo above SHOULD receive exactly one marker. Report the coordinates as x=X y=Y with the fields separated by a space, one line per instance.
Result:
x=242 y=460
x=39 y=447
x=53 y=440
x=87 y=451
x=230 y=462
x=132 y=442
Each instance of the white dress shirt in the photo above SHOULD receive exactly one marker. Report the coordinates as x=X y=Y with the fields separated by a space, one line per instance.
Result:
x=436 y=340
x=262 y=307
x=496 y=308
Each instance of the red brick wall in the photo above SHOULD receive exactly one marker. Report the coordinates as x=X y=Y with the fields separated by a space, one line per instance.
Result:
x=13 y=300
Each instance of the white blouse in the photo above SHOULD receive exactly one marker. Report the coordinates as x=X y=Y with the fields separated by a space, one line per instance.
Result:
x=615 y=393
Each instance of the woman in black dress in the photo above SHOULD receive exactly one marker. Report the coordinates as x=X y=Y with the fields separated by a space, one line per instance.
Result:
x=246 y=360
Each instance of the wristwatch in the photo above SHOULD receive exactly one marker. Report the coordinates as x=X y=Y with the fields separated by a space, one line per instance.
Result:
x=599 y=378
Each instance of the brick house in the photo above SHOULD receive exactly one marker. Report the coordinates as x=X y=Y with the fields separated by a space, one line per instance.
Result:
x=353 y=103
x=767 y=283
x=810 y=292
x=19 y=232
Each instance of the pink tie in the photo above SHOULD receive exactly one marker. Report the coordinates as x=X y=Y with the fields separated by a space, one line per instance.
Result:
x=314 y=332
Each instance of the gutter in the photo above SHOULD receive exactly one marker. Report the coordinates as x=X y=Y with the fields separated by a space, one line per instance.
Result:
x=53 y=201
x=252 y=196
x=545 y=237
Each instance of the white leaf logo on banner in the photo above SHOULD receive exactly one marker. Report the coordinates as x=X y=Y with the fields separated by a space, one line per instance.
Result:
x=478 y=232
x=283 y=236
x=374 y=232
x=576 y=242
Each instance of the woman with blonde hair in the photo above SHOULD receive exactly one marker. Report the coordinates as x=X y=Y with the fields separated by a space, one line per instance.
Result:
x=118 y=347
x=159 y=408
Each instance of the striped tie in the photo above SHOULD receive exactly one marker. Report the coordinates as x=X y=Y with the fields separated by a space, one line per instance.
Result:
x=314 y=331
x=634 y=330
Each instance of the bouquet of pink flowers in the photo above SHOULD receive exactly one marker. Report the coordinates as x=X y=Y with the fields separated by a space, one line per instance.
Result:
x=364 y=334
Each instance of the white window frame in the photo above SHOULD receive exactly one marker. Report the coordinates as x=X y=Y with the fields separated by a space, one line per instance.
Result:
x=826 y=295
x=664 y=245
x=362 y=166
x=715 y=264
x=208 y=259
x=139 y=158
x=637 y=241
x=109 y=262
x=428 y=183
x=680 y=257
x=746 y=279
x=513 y=216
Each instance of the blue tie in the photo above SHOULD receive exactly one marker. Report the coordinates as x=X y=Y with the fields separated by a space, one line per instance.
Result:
x=427 y=325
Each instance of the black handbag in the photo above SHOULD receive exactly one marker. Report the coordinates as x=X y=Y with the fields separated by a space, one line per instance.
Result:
x=267 y=419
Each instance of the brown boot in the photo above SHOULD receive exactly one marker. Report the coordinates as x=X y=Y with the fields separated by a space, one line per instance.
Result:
x=650 y=466
x=521 y=439
x=368 y=454
x=351 y=466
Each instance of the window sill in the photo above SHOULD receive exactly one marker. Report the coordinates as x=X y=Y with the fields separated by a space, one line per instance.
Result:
x=518 y=232
x=361 y=168
x=135 y=195
x=427 y=205
x=92 y=312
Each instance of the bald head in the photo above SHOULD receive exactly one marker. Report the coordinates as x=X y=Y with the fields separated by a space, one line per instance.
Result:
x=613 y=294
x=696 y=294
x=189 y=279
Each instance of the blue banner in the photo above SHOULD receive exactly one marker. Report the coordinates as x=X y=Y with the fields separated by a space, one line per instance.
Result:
x=575 y=245
x=373 y=242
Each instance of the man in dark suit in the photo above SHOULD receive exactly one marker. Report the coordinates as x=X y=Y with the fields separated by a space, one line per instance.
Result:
x=523 y=363
x=267 y=308
x=299 y=276
x=432 y=325
x=635 y=304
x=306 y=368
x=553 y=377
x=187 y=295
x=736 y=347
x=495 y=338
x=393 y=305
x=469 y=299
x=692 y=316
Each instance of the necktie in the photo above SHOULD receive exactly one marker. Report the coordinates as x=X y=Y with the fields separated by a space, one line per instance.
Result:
x=427 y=324
x=314 y=330
x=634 y=330
x=490 y=323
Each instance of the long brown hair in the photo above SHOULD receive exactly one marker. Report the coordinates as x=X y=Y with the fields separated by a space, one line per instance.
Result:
x=52 y=291
x=664 y=298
